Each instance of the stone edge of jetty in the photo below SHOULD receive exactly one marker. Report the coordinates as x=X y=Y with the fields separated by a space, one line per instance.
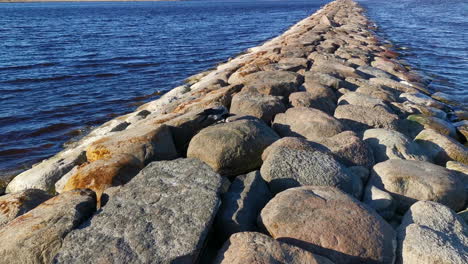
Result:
x=319 y=146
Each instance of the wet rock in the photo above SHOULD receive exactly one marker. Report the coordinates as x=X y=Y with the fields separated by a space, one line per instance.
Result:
x=261 y=106
x=306 y=122
x=422 y=99
x=102 y=174
x=434 y=123
x=257 y=248
x=441 y=148
x=146 y=143
x=163 y=215
x=13 y=205
x=462 y=128
x=349 y=149
x=277 y=83
x=326 y=221
x=389 y=144
x=232 y=148
x=241 y=205
x=44 y=175
x=360 y=118
x=410 y=181
x=36 y=237
x=382 y=202
x=446 y=98
x=290 y=165
x=431 y=233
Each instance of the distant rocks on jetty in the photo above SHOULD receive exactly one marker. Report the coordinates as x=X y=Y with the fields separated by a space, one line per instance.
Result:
x=318 y=146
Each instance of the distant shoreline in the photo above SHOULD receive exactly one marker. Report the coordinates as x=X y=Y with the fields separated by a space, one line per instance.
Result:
x=39 y=1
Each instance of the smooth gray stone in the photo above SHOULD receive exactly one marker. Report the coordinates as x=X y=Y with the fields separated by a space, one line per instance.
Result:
x=240 y=206
x=162 y=216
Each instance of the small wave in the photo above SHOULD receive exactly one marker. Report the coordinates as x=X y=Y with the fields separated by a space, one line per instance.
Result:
x=140 y=65
x=9 y=91
x=25 y=67
x=50 y=129
x=28 y=80
x=17 y=151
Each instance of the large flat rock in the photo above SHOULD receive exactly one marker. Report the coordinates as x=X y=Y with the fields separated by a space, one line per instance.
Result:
x=162 y=216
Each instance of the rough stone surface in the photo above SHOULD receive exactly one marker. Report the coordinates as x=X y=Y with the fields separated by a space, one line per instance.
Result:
x=441 y=148
x=36 y=237
x=306 y=122
x=163 y=215
x=261 y=106
x=146 y=143
x=232 y=148
x=15 y=204
x=349 y=149
x=286 y=167
x=257 y=248
x=380 y=201
x=431 y=233
x=422 y=99
x=361 y=99
x=44 y=175
x=389 y=144
x=326 y=221
x=102 y=174
x=278 y=83
x=360 y=118
x=240 y=206
x=319 y=78
x=434 y=123
x=410 y=181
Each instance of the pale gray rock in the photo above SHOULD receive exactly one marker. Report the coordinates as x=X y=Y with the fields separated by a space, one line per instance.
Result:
x=380 y=201
x=162 y=216
x=241 y=204
x=259 y=105
x=360 y=118
x=431 y=233
x=409 y=181
x=390 y=144
x=278 y=83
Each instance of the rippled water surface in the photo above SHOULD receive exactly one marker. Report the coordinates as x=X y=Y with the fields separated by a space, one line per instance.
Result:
x=65 y=67
x=434 y=34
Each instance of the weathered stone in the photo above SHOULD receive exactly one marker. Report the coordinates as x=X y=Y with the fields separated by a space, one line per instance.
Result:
x=382 y=202
x=396 y=86
x=314 y=78
x=375 y=72
x=410 y=181
x=287 y=142
x=456 y=166
x=289 y=166
x=389 y=144
x=306 y=122
x=333 y=68
x=44 y=175
x=13 y=205
x=441 y=148
x=184 y=127
x=104 y=173
x=437 y=124
x=232 y=148
x=36 y=237
x=326 y=221
x=462 y=128
x=259 y=105
x=408 y=107
x=163 y=215
x=431 y=233
x=146 y=143
x=365 y=100
x=278 y=83
x=349 y=149
x=257 y=248
x=317 y=100
x=360 y=118
x=292 y=64
x=422 y=99
x=446 y=98
x=377 y=91
x=241 y=205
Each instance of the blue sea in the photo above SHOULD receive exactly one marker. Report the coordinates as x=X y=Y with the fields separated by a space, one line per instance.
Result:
x=67 y=67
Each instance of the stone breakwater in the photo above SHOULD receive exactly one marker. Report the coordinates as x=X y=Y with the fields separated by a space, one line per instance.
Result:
x=319 y=146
